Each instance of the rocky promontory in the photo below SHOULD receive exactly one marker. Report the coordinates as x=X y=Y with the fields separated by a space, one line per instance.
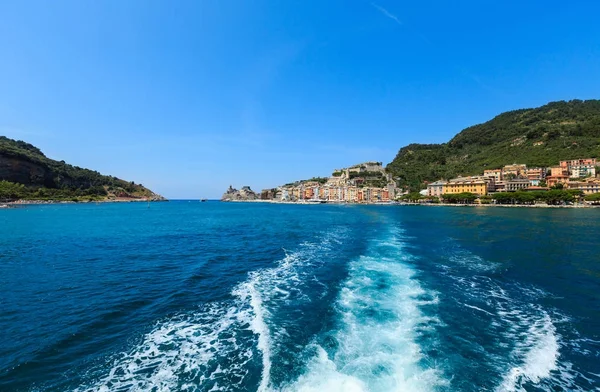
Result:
x=27 y=174
x=244 y=194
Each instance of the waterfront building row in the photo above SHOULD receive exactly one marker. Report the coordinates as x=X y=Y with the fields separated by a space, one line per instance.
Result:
x=574 y=174
x=339 y=194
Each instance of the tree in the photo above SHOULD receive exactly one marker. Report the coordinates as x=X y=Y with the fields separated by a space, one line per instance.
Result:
x=412 y=197
x=519 y=197
x=553 y=134
x=557 y=196
x=11 y=190
x=593 y=197
x=460 y=198
x=486 y=199
x=576 y=193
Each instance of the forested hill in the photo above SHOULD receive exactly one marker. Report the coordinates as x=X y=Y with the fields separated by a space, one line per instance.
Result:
x=25 y=172
x=537 y=137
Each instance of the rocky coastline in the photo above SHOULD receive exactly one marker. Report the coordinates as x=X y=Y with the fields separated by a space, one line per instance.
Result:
x=244 y=194
x=15 y=203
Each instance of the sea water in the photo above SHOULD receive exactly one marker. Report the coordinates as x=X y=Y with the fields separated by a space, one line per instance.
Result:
x=190 y=296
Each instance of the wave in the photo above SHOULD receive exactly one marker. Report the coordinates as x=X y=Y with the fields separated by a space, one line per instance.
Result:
x=526 y=349
x=375 y=345
x=379 y=340
x=284 y=289
x=538 y=356
x=535 y=360
x=183 y=351
x=223 y=345
x=458 y=256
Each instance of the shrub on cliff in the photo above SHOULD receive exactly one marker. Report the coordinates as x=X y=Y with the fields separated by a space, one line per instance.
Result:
x=10 y=190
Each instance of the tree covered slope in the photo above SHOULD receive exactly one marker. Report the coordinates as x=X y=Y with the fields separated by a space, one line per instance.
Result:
x=25 y=172
x=537 y=137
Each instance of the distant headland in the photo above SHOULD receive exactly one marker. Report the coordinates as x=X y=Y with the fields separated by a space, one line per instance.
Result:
x=28 y=176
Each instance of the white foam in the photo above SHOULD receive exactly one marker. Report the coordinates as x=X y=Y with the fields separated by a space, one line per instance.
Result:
x=479 y=309
x=379 y=322
x=270 y=288
x=538 y=355
x=462 y=257
x=535 y=357
x=177 y=350
x=188 y=351
x=259 y=327
x=323 y=375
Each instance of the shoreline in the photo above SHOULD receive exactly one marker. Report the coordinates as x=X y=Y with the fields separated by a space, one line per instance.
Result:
x=17 y=203
x=508 y=205
x=9 y=204
x=394 y=203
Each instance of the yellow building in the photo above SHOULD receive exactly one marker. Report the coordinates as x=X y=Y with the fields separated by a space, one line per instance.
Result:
x=587 y=186
x=476 y=186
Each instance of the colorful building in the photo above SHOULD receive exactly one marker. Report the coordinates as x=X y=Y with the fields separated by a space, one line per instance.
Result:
x=513 y=170
x=535 y=173
x=577 y=162
x=436 y=189
x=516 y=184
x=587 y=186
x=495 y=173
x=558 y=175
x=477 y=185
x=579 y=168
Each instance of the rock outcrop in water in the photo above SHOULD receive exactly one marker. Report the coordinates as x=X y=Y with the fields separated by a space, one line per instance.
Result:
x=244 y=194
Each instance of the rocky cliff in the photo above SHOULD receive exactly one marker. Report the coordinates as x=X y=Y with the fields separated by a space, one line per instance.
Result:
x=244 y=194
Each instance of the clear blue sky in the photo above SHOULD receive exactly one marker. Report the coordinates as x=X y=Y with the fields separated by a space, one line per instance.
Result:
x=187 y=97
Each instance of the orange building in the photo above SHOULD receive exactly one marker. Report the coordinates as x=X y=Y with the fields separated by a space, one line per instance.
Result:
x=558 y=175
x=385 y=195
x=309 y=193
x=577 y=162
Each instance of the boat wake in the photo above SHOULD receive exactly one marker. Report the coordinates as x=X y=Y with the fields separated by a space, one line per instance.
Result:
x=184 y=351
x=225 y=345
x=534 y=357
x=382 y=333
x=375 y=346
x=526 y=346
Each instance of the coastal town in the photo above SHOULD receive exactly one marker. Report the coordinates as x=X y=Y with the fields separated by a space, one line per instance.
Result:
x=367 y=182
x=576 y=174
x=370 y=183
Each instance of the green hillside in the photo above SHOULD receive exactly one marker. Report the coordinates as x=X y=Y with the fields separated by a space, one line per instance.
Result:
x=26 y=173
x=537 y=137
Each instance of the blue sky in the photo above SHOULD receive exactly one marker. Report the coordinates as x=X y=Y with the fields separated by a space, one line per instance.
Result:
x=187 y=97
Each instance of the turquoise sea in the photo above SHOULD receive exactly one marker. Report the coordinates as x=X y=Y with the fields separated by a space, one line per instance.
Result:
x=190 y=296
